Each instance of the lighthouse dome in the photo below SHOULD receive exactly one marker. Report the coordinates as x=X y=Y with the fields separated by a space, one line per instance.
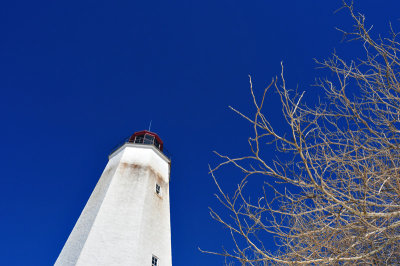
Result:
x=147 y=137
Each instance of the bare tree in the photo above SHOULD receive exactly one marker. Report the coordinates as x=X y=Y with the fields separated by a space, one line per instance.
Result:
x=336 y=179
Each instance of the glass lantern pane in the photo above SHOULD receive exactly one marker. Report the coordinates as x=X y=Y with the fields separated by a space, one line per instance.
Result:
x=148 y=139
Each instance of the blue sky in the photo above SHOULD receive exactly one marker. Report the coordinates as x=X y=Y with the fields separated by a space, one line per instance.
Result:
x=76 y=77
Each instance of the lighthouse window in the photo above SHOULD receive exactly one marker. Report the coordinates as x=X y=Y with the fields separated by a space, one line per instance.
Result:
x=139 y=139
x=154 y=261
x=158 y=189
x=156 y=143
x=148 y=139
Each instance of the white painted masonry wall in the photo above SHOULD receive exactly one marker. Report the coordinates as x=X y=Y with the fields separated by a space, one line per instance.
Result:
x=125 y=222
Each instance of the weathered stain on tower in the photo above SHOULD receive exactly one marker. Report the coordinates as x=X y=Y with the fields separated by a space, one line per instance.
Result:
x=126 y=220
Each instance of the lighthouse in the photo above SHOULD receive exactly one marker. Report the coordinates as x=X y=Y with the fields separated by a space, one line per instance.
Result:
x=126 y=220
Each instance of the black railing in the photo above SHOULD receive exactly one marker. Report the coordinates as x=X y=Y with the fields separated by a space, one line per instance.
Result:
x=142 y=141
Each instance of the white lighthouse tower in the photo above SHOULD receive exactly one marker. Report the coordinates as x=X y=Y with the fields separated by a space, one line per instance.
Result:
x=126 y=220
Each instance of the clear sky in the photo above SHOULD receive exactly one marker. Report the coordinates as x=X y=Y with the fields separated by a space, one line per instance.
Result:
x=76 y=77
